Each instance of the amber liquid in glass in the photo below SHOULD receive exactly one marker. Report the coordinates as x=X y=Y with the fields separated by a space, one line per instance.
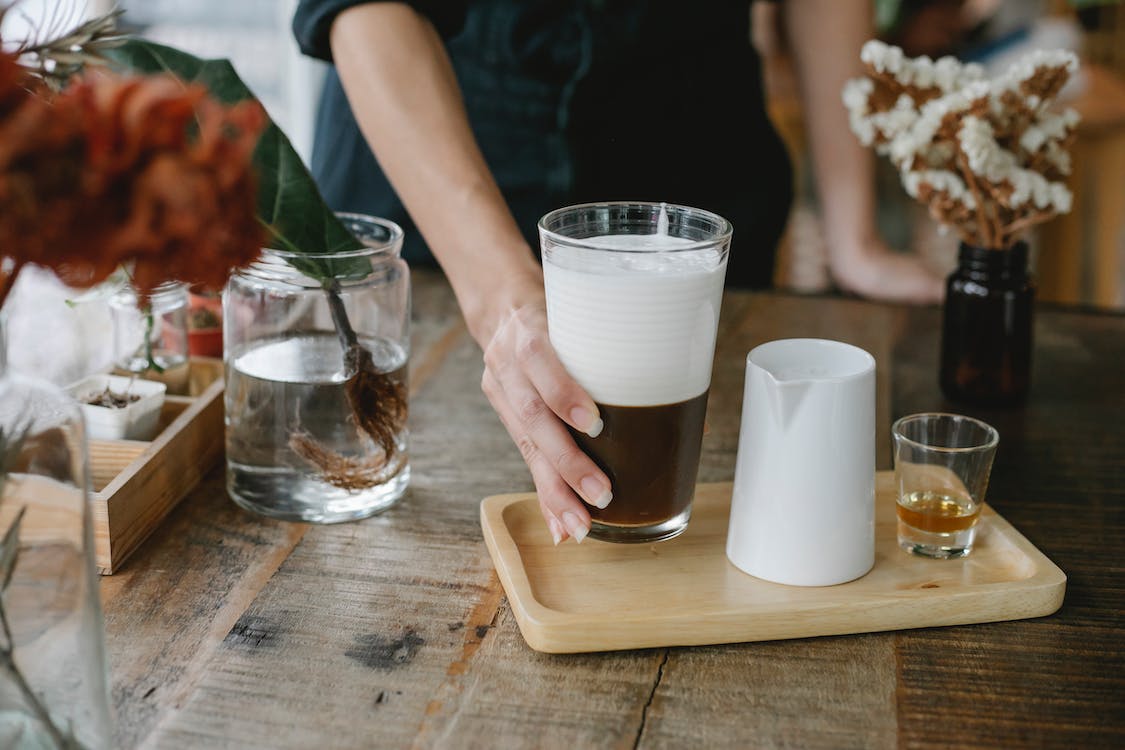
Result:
x=937 y=512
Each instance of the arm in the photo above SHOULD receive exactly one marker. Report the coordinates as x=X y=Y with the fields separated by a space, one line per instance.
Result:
x=404 y=94
x=826 y=36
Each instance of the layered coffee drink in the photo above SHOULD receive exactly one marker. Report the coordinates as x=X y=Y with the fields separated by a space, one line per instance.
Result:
x=633 y=318
x=651 y=455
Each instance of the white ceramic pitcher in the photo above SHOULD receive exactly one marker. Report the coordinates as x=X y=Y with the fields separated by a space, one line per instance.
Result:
x=803 y=510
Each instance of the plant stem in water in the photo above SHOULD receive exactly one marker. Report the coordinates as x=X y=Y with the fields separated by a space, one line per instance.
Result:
x=378 y=402
x=344 y=330
x=150 y=323
x=7 y=659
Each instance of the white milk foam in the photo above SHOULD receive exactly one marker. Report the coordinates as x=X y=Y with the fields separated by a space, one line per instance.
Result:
x=635 y=329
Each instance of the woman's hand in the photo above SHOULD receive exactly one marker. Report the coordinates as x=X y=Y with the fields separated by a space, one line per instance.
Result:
x=536 y=399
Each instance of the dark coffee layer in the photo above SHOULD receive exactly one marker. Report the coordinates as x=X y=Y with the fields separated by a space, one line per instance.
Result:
x=651 y=455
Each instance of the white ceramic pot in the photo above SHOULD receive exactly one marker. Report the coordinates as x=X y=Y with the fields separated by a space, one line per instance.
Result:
x=136 y=421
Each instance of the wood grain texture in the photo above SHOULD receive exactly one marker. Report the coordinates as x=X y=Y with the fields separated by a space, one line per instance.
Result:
x=1059 y=477
x=108 y=458
x=513 y=697
x=228 y=630
x=177 y=598
x=382 y=605
x=189 y=586
x=829 y=693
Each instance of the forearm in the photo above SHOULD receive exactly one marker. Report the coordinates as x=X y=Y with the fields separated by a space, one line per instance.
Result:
x=404 y=94
x=826 y=36
x=403 y=91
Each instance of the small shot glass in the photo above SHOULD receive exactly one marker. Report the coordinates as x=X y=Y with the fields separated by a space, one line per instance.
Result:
x=942 y=464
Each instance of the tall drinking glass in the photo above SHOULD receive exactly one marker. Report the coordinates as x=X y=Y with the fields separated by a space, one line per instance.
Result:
x=633 y=294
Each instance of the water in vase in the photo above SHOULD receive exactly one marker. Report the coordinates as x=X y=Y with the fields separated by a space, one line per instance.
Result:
x=293 y=448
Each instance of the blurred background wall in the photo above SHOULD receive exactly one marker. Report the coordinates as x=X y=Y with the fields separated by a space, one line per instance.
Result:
x=1080 y=257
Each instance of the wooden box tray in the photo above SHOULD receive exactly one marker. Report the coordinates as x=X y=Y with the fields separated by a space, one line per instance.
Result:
x=599 y=596
x=137 y=483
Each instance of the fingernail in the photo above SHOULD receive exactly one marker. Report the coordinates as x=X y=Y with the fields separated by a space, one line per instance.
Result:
x=556 y=533
x=581 y=416
x=596 y=428
x=597 y=494
x=576 y=528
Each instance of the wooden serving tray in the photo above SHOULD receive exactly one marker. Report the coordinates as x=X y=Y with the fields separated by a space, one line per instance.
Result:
x=137 y=483
x=599 y=596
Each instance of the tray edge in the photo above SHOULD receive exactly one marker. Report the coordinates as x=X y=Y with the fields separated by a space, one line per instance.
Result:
x=550 y=631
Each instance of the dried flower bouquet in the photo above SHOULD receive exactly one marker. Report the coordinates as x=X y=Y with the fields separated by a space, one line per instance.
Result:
x=988 y=157
x=119 y=170
x=116 y=151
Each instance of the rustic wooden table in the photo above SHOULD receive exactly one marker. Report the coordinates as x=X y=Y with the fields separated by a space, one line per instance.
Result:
x=228 y=630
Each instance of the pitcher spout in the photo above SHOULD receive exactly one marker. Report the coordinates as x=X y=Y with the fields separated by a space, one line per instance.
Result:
x=786 y=397
x=789 y=371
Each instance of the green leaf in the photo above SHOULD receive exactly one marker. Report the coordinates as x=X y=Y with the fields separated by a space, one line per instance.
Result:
x=289 y=202
x=886 y=14
x=9 y=551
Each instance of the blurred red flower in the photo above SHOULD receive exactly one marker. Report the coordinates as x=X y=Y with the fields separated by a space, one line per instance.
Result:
x=124 y=170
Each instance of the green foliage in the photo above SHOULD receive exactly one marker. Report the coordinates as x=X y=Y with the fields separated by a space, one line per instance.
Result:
x=9 y=550
x=886 y=14
x=289 y=203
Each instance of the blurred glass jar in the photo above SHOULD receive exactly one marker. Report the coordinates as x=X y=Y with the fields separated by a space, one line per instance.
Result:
x=152 y=340
x=316 y=351
x=987 y=327
x=53 y=679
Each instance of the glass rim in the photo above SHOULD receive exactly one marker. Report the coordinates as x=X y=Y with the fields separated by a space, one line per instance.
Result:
x=726 y=230
x=370 y=247
x=992 y=435
x=124 y=289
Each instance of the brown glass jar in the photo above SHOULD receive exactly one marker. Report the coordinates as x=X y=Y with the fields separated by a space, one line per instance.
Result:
x=986 y=333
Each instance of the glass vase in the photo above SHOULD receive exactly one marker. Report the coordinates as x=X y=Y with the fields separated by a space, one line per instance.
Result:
x=987 y=327
x=53 y=681
x=316 y=351
x=150 y=339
